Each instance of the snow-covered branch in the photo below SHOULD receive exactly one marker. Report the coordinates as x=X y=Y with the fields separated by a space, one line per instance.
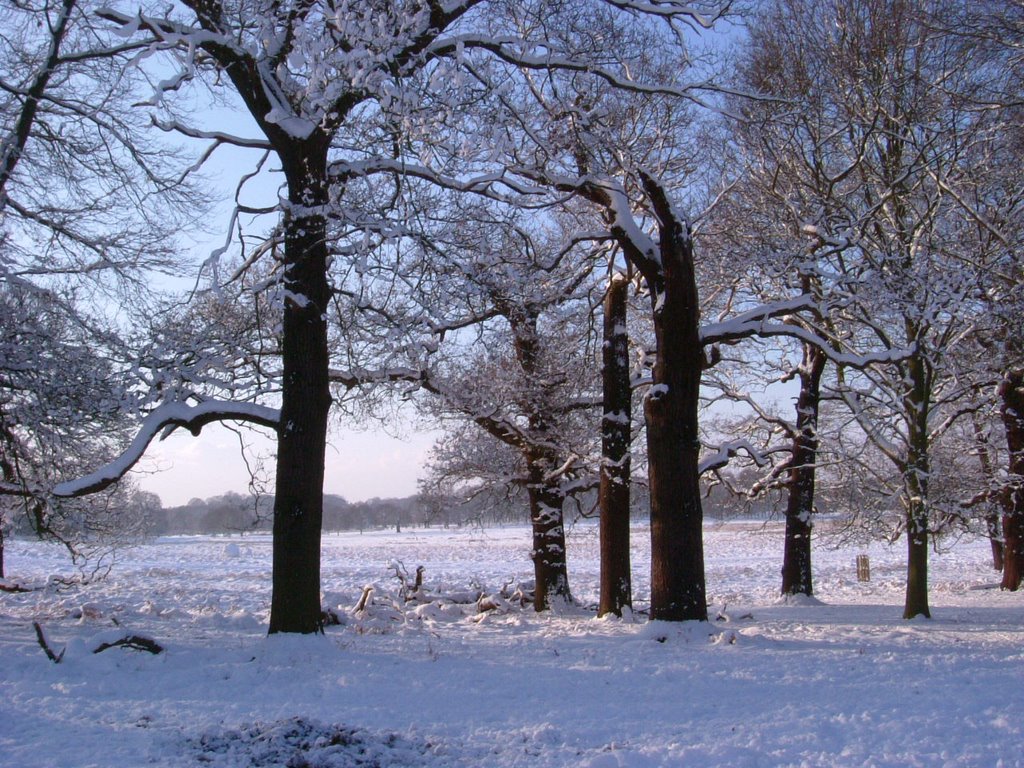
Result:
x=484 y=184
x=218 y=137
x=356 y=377
x=757 y=323
x=727 y=451
x=168 y=415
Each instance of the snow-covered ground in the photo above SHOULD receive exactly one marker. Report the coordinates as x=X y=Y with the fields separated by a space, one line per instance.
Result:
x=840 y=682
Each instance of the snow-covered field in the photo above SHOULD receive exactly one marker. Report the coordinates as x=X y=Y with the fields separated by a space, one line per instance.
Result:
x=840 y=682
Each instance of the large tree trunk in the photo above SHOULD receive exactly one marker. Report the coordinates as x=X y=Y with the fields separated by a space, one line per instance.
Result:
x=796 y=562
x=678 y=590
x=916 y=603
x=305 y=397
x=915 y=489
x=546 y=498
x=549 y=564
x=613 y=494
x=1011 y=392
x=670 y=408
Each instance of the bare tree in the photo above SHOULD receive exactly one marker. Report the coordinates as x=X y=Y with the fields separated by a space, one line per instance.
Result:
x=528 y=378
x=62 y=405
x=992 y=206
x=352 y=101
x=88 y=208
x=867 y=153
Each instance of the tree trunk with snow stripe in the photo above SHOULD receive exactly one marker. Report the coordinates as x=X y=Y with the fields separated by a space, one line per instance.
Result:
x=305 y=397
x=796 y=561
x=614 y=489
x=678 y=591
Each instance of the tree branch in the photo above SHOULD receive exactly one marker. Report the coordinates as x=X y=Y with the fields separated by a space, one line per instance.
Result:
x=173 y=414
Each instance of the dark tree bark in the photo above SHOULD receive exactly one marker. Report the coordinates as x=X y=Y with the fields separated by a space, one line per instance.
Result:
x=1011 y=393
x=616 y=424
x=550 y=568
x=796 y=562
x=673 y=454
x=678 y=591
x=915 y=487
x=305 y=395
x=916 y=602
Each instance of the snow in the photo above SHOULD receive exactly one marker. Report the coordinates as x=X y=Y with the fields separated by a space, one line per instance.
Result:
x=617 y=417
x=623 y=221
x=837 y=680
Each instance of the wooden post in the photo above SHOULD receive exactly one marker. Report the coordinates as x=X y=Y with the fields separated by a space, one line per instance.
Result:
x=863 y=568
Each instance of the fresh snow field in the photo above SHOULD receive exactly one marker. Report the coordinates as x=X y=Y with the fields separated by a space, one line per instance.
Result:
x=840 y=682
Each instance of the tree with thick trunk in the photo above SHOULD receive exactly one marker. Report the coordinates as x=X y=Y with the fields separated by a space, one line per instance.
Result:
x=305 y=396
x=299 y=126
x=305 y=386
x=1011 y=393
x=678 y=591
x=796 y=561
x=616 y=436
x=916 y=471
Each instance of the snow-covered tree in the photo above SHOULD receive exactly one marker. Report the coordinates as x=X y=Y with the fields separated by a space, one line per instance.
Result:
x=993 y=207
x=353 y=100
x=527 y=377
x=88 y=210
x=63 y=405
x=867 y=151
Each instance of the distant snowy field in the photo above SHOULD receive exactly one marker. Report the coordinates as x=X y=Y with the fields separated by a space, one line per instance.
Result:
x=843 y=682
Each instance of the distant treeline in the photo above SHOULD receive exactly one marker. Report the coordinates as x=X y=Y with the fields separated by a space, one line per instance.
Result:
x=239 y=513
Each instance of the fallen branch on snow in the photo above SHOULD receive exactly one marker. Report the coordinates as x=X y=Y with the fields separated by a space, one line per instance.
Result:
x=14 y=587
x=55 y=658
x=134 y=642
